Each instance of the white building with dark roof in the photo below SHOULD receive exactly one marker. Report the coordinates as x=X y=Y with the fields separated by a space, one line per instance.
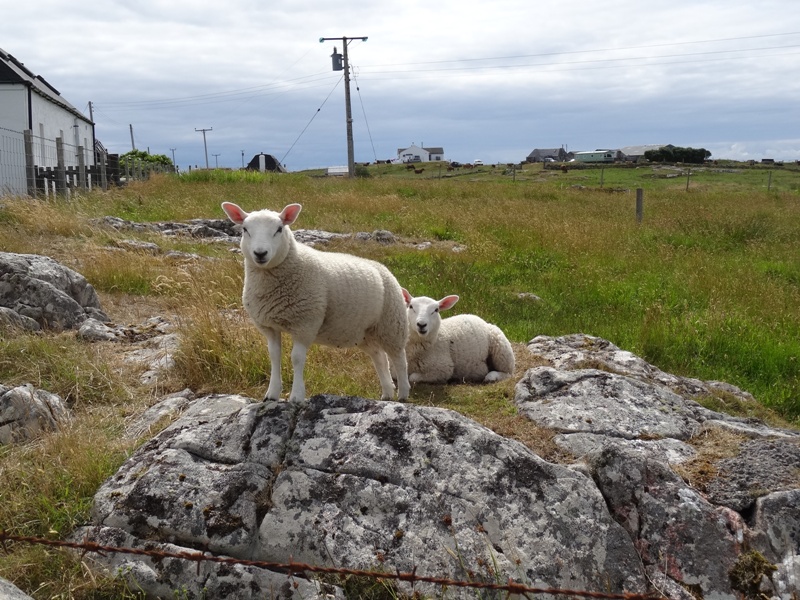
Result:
x=29 y=102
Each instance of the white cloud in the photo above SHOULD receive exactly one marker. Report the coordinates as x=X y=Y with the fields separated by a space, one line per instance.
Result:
x=490 y=81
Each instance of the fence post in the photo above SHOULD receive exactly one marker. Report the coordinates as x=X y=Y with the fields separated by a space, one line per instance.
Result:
x=82 y=169
x=769 y=182
x=103 y=175
x=688 y=174
x=30 y=168
x=639 y=205
x=61 y=170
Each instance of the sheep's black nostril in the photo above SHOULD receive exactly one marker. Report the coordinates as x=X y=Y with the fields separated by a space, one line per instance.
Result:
x=260 y=256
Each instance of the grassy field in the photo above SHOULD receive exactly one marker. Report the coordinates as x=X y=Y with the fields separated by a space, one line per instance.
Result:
x=707 y=285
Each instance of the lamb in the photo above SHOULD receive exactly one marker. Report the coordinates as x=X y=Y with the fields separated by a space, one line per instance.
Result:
x=460 y=348
x=318 y=297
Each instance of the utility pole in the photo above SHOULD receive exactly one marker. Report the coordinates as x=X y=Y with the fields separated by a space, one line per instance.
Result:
x=205 y=146
x=216 y=160
x=337 y=66
x=243 y=159
x=133 y=144
x=173 y=155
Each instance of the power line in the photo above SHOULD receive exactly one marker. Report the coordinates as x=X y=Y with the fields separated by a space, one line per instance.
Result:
x=593 y=61
x=314 y=116
x=596 y=50
x=364 y=112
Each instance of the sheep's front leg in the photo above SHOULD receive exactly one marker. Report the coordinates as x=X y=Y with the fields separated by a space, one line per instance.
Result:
x=274 y=346
x=299 y=352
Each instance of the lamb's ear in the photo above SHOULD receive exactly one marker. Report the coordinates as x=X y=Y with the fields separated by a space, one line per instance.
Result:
x=290 y=213
x=234 y=212
x=447 y=302
x=407 y=297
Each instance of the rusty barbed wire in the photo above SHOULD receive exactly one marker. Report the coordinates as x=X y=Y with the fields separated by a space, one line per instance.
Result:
x=296 y=568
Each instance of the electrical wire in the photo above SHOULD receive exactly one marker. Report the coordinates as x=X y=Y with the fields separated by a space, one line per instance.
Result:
x=364 y=112
x=312 y=118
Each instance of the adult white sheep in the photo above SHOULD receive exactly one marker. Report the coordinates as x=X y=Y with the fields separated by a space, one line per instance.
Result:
x=318 y=297
x=459 y=348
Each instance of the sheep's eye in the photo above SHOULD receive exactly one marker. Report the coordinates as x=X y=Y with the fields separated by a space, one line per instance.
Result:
x=436 y=310
x=244 y=230
x=277 y=231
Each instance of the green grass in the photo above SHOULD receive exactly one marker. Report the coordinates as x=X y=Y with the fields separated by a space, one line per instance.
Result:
x=707 y=286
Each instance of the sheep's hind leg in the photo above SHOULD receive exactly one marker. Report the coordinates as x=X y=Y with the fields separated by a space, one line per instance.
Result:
x=299 y=353
x=381 y=363
x=400 y=366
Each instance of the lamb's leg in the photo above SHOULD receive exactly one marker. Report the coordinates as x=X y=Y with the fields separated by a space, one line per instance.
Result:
x=274 y=346
x=493 y=376
x=299 y=352
x=381 y=363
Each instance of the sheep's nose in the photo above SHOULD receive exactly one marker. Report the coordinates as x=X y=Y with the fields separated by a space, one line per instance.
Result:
x=422 y=327
x=261 y=257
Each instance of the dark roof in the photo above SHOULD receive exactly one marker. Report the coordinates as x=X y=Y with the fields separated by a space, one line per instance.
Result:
x=270 y=163
x=13 y=71
x=544 y=152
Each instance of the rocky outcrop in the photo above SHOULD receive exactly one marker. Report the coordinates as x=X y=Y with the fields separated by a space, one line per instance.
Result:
x=26 y=413
x=631 y=423
x=39 y=289
x=361 y=484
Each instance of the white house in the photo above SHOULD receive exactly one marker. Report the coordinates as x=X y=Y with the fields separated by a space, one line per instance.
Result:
x=28 y=102
x=416 y=153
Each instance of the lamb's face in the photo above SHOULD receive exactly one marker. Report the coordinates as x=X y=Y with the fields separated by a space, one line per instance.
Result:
x=423 y=317
x=264 y=238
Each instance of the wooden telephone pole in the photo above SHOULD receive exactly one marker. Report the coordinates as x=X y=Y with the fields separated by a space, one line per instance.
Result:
x=340 y=63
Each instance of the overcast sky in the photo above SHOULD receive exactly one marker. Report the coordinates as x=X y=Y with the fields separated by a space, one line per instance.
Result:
x=490 y=80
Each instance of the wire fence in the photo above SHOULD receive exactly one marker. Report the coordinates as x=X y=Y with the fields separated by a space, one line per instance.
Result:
x=32 y=165
x=296 y=568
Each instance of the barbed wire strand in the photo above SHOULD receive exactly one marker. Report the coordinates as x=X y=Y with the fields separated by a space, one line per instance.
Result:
x=292 y=568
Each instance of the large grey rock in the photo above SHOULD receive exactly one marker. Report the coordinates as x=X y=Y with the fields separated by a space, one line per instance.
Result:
x=11 y=320
x=630 y=423
x=26 y=413
x=676 y=531
x=762 y=466
x=362 y=484
x=776 y=532
x=8 y=591
x=39 y=288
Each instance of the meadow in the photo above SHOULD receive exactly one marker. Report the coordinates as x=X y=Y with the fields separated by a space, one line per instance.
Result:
x=707 y=285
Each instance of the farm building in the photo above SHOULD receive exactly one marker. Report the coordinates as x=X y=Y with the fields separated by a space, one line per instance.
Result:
x=548 y=154
x=29 y=103
x=416 y=153
x=265 y=162
x=636 y=153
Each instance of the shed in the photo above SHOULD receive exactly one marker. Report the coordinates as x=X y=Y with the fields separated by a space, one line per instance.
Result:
x=636 y=153
x=542 y=154
x=265 y=162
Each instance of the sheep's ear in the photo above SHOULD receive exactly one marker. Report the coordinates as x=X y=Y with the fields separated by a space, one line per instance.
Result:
x=234 y=212
x=407 y=297
x=290 y=213
x=447 y=302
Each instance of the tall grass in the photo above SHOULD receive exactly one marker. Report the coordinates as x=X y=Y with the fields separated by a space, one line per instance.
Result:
x=708 y=286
